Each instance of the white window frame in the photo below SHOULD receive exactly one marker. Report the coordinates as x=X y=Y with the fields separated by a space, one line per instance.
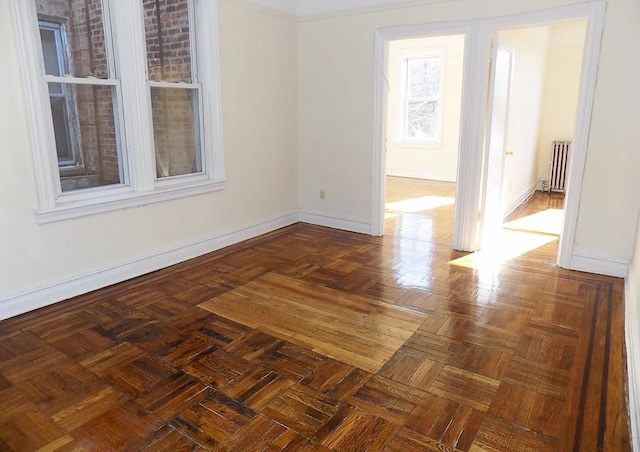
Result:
x=404 y=57
x=130 y=63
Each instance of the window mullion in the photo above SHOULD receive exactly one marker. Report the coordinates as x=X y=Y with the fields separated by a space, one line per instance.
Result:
x=131 y=63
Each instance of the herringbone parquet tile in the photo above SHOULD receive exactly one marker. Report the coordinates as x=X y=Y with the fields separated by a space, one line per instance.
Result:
x=311 y=339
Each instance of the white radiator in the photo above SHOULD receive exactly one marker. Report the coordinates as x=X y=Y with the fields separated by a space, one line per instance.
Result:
x=559 y=165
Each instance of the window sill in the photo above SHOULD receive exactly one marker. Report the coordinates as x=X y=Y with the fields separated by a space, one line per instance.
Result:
x=109 y=203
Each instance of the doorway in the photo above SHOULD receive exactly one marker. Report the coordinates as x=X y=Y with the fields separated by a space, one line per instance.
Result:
x=423 y=131
x=535 y=76
x=474 y=117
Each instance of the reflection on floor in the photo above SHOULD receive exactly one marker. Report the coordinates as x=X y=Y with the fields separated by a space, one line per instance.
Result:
x=419 y=209
x=314 y=339
x=424 y=210
x=533 y=229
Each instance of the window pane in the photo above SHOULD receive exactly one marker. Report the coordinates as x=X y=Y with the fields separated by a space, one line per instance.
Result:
x=61 y=129
x=424 y=77
x=176 y=131
x=50 y=52
x=86 y=131
x=55 y=88
x=168 y=41
x=422 y=119
x=72 y=32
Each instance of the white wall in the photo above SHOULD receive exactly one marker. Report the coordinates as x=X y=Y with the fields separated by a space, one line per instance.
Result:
x=426 y=161
x=632 y=323
x=258 y=61
x=611 y=179
x=529 y=48
x=562 y=83
x=334 y=82
x=335 y=104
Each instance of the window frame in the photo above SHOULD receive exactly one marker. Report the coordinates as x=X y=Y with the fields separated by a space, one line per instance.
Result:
x=405 y=98
x=127 y=39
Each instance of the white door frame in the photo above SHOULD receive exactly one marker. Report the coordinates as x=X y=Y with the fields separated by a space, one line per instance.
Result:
x=468 y=116
x=473 y=118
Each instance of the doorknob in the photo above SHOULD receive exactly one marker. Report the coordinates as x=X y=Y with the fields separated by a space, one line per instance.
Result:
x=509 y=153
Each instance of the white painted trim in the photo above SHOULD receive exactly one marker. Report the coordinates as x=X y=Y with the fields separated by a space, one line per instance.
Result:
x=444 y=177
x=320 y=9
x=632 y=336
x=315 y=9
x=208 y=59
x=380 y=100
x=474 y=114
x=522 y=198
x=40 y=128
x=80 y=81
x=123 y=201
x=21 y=302
x=594 y=13
x=345 y=224
x=140 y=186
x=601 y=265
x=135 y=97
x=287 y=7
x=578 y=157
x=472 y=133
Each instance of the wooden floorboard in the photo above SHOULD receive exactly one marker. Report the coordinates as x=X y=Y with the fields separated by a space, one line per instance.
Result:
x=313 y=339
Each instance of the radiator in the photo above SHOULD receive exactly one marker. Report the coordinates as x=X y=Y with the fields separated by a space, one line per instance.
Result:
x=559 y=160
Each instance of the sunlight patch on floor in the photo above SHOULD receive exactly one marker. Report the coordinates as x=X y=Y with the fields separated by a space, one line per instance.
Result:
x=511 y=244
x=415 y=205
x=546 y=222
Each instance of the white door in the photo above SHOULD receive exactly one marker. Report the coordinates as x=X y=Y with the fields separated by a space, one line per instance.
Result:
x=495 y=162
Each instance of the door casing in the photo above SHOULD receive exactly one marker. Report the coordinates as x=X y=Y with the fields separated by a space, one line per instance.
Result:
x=474 y=112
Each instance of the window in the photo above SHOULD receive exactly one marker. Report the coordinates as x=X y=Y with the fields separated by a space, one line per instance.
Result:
x=175 y=92
x=422 y=100
x=83 y=92
x=119 y=94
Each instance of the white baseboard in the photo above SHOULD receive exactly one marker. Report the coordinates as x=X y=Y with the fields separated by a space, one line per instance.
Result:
x=522 y=198
x=21 y=302
x=632 y=337
x=444 y=177
x=600 y=265
x=346 y=224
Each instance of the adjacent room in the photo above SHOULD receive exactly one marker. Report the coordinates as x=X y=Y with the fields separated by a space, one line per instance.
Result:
x=313 y=225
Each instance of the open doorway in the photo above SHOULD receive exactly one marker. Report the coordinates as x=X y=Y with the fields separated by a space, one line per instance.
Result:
x=473 y=123
x=535 y=74
x=423 y=136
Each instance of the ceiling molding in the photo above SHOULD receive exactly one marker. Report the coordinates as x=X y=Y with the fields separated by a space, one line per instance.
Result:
x=311 y=8
x=308 y=8
x=288 y=7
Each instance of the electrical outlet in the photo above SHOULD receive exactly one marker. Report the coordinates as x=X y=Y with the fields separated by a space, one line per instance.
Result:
x=322 y=194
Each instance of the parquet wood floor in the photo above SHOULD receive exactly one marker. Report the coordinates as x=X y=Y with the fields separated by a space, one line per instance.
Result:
x=361 y=331
x=312 y=339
